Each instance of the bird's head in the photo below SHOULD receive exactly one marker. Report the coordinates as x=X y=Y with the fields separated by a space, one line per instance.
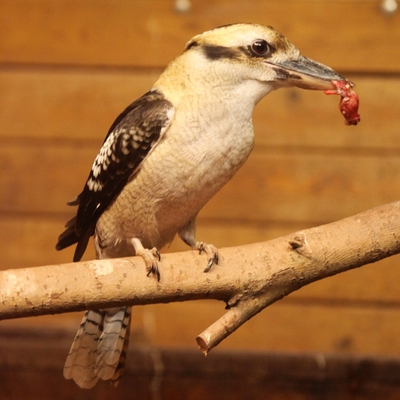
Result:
x=259 y=53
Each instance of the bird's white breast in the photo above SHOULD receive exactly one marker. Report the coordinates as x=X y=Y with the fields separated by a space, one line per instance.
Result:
x=203 y=148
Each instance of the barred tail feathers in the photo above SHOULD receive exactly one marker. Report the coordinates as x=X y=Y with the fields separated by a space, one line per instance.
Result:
x=99 y=347
x=113 y=343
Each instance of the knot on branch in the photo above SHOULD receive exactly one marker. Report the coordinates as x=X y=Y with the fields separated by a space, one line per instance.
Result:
x=298 y=242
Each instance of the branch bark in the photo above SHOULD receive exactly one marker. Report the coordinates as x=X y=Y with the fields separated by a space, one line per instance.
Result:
x=248 y=278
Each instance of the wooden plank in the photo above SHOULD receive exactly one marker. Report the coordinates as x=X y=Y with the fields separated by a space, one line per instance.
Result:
x=32 y=176
x=275 y=185
x=370 y=286
x=284 y=326
x=302 y=118
x=35 y=359
x=29 y=241
x=143 y=33
x=66 y=104
x=306 y=187
x=81 y=105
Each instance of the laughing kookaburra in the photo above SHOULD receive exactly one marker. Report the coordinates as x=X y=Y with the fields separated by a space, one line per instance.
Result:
x=163 y=159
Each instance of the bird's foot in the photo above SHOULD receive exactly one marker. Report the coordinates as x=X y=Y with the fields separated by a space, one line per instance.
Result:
x=212 y=253
x=151 y=258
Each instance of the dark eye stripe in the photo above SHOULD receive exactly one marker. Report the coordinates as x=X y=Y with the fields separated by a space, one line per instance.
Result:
x=220 y=52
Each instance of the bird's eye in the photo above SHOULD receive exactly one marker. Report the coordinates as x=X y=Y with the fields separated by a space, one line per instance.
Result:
x=260 y=47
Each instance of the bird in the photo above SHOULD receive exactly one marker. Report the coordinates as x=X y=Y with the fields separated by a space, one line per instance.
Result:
x=164 y=157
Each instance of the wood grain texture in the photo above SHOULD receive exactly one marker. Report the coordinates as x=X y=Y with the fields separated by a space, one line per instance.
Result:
x=81 y=105
x=285 y=326
x=273 y=185
x=70 y=104
x=67 y=68
x=35 y=359
x=346 y=35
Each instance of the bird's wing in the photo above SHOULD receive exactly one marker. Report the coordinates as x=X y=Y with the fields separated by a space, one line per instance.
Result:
x=132 y=136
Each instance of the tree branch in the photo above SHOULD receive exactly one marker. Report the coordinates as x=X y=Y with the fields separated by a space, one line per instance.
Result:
x=248 y=278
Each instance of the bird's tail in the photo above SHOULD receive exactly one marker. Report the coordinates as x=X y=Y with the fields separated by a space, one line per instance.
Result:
x=99 y=348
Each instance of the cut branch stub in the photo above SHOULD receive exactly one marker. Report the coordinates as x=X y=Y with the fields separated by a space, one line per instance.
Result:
x=306 y=256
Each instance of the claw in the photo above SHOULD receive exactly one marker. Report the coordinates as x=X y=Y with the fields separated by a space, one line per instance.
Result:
x=212 y=252
x=201 y=247
x=151 y=262
x=153 y=269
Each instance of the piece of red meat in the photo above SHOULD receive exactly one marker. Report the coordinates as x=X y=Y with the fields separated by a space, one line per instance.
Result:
x=348 y=104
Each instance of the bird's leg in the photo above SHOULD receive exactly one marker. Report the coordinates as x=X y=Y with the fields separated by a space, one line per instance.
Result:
x=151 y=257
x=188 y=233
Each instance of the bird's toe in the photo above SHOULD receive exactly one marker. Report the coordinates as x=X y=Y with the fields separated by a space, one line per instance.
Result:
x=212 y=253
x=151 y=258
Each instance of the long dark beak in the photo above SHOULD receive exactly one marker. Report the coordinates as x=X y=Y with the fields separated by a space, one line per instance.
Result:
x=306 y=73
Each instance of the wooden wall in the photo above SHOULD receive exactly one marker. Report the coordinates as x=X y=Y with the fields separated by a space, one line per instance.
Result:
x=67 y=68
